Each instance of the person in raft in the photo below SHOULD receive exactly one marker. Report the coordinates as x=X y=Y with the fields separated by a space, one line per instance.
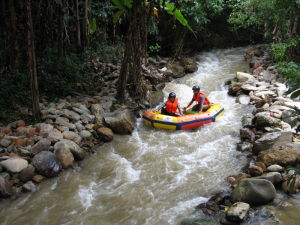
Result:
x=171 y=106
x=203 y=102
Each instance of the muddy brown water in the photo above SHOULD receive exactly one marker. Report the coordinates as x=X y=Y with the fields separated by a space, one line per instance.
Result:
x=153 y=176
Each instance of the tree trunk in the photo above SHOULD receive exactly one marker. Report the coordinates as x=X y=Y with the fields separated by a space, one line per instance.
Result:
x=78 y=37
x=61 y=30
x=13 y=50
x=135 y=52
x=85 y=25
x=32 y=62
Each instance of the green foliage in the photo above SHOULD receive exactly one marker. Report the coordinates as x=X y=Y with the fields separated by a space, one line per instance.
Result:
x=279 y=51
x=92 y=26
x=295 y=174
x=154 y=48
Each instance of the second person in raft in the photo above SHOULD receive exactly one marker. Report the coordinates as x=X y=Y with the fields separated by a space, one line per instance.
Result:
x=171 y=106
x=203 y=102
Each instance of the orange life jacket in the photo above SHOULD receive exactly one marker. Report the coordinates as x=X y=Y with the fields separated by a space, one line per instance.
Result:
x=171 y=107
x=198 y=99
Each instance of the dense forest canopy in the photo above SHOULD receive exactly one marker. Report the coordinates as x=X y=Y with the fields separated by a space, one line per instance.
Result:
x=48 y=48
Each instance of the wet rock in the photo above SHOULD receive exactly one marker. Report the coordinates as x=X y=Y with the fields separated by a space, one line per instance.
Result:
x=121 y=122
x=263 y=119
x=105 y=134
x=261 y=165
x=47 y=164
x=238 y=211
x=292 y=186
x=98 y=111
x=87 y=118
x=65 y=157
x=71 y=114
x=62 y=121
x=69 y=135
x=5 y=142
x=55 y=135
x=189 y=65
x=254 y=191
x=43 y=145
x=234 y=89
x=255 y=170
x=29 y=187
x=282 y=157
x=243 y=99
x=272 y=141
x=14 y=165
x=274 y=177
x=5 y=188
x=5 y=175
x=177 y=70
x=27 y=173
x=38 y=178
x=79 y=126
x=247 y=135
x=245 y=146
x=77 y=152
x=275 y=168
x=247 y=121
x=213 y=204
x=244 y=77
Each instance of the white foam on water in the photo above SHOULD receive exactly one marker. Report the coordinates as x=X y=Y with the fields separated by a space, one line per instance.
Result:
x=86 y=195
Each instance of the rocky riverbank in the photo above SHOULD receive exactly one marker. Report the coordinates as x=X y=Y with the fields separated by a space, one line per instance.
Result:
x=269 y=137
x=75 y=126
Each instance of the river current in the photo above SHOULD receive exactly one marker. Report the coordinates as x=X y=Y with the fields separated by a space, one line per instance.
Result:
x=153 y=177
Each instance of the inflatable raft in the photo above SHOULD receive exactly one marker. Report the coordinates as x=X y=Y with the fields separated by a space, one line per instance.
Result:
x=188 y=121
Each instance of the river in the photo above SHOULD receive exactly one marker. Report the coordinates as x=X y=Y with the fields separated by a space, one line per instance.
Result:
x=153 y=176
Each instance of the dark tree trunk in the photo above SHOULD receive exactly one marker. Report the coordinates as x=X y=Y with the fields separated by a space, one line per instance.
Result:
x=61 y=30
x=135 y=52
x=14 y=53
x=32 y=62
x=85 y=25
x=78 y=33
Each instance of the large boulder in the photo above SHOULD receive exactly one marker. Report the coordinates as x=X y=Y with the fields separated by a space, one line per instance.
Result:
x=47 y=164
x=65 y=157
x=282 y=157
x=274 y=177
x=177 y=69
x=254 y=191
x=55 y=135
x=122 y=122
x=77 y=152
x=98 y=112
x=14 y=165
x=243 y=77
x=234 y=89
x=272 y=141
x=105 y=134
x=155 y=97
x=189 y=65
x=42 y=145
x=5 y=188
x=263 y=119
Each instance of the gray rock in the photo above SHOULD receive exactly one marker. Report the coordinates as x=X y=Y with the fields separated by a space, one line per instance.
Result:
x=243 y=77
x=274 y=177
x=177 y=70
x=87 y=118
x=254 y=191
x=27 y=173
x=65 y=157
x=43 y=145
x=14 y=165
x=55 y=135
x=98 y=112
x=71 y=115
x=5 y=142
x=155 y=97
x=247 y=121
x=195 y=221
x=64 y=122
x=272 y=141
x=77 y=152
x=5 y=175
x=122 y=122
x=85 y=134
x=79 y=126
x=275 y=168
x=46 y=164
x=45 y=128
x=263 y=119
x=29 y=187
x=69 y=135
x=237 y=211
x=5 y=188
x=105 y=134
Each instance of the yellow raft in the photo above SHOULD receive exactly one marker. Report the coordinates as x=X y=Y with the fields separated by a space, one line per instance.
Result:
x=188 y=121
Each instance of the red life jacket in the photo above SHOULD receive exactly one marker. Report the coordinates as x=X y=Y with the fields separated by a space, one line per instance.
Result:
x=198 y=99
x=171 y=107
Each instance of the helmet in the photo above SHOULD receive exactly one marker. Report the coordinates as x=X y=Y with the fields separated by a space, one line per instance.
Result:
x=196 y=87
x=172 y=95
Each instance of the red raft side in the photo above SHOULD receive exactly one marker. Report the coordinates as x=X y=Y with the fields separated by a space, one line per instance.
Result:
x=195 y=120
